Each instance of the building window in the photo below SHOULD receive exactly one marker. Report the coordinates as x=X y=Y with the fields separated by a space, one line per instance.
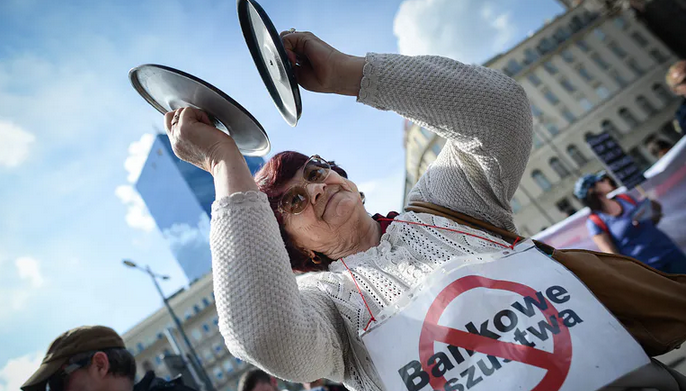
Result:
x=218 y=373
x=567 y=55
x=196 y=308
x=599 y=61
x=565 y=207
x=635 y=67
x=602 y=91
x=569 y=116
x=559 y=168
x=140 y=347
x=530 y=55
x=618 y=78
x=512 y=67
x=645 y=105
x=662 y=94
x=620 y=23
x=561 y=34
x=545 y=46
x=550 y=67
x=534 y=79
x=600 y=34
x=216 y=321
x=228 y=367
x=196 y=334
x=436 y=148
x=207 y=354
x=188 y=315
x=552 y=129
x=158 y=359
x=218 y=348
x=567 y=85
x=658 y=56
x=541 y=180
x=628 y=117
x=206 y=301
x=427 y=134
x=536 y=111
x=515 y=205
x=583 y=72
x=166 y=352
x=639 y=39
x=609 y=127
x=551 y=97
x=581 y=44
x=160 y=336
x=585 y=104
x=576 y=155
x=617 y=50
x=206 y=328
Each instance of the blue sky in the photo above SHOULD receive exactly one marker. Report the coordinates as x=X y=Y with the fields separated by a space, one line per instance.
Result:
x=73 y=131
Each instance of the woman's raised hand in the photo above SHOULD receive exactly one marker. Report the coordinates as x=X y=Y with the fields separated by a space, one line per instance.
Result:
x=195 y=140
x=321 y=68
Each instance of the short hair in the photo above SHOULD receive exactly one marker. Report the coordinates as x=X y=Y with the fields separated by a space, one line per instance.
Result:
x=122 y=362
x=252 y=378
x=676 y=69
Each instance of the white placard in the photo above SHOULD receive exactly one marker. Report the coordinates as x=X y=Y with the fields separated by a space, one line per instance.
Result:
x=521 y=322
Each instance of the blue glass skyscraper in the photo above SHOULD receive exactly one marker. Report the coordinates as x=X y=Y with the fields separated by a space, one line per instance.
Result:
x=179 y=197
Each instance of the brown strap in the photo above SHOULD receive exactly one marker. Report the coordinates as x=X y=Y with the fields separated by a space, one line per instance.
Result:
x=427 y=207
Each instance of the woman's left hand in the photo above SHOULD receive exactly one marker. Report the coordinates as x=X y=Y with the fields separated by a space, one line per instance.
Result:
x=321 y=68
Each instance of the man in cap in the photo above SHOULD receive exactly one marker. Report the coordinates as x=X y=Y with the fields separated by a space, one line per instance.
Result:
x=92 y=358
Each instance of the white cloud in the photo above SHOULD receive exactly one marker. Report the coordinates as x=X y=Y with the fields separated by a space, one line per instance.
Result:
x=138 y=154
x=384 y=194
x=467 y=30
x=17 y=370
x=29 y=269
x=181 y=235
x=137 y=215
x=14 y=148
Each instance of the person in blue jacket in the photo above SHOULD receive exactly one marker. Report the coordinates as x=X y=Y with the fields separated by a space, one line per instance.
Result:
x=621 y=225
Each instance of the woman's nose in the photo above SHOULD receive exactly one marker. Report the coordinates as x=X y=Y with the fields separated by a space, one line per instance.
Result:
x=316 y=190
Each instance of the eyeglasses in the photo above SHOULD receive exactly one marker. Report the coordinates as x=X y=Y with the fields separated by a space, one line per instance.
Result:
x=296 y=199
x=58 y=381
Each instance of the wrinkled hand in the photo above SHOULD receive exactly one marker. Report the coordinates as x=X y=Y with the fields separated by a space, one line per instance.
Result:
x=195 y=140
x=321 y=68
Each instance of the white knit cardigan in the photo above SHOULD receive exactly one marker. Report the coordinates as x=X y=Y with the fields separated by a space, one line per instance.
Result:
x=306 y=329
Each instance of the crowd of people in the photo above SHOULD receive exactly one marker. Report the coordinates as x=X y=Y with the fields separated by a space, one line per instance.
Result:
x=302 y=214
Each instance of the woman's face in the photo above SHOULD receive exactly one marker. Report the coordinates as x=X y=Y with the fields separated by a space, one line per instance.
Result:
x=332 y=215
x=603 y=186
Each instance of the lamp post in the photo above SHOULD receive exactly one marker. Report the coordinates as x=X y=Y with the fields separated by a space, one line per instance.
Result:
x=195 y=361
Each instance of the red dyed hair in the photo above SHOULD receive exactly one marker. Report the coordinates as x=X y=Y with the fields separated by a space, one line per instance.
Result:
x=270 y=179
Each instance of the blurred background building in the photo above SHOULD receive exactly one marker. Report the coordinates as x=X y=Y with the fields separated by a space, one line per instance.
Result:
x=179 y=197
x=156 y=337
x=589 y=70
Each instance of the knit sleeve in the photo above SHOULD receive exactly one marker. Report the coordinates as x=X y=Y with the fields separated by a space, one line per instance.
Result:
x=484 y=115
x=264 y=317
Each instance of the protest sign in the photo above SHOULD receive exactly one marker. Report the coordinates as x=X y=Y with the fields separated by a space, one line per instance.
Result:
x=522 y=321
x=617 y=162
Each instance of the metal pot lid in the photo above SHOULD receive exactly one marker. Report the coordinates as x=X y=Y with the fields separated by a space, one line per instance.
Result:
x=270 y=58
x=168 y=89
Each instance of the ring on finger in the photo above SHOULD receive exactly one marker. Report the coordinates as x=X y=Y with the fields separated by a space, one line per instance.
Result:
x=291 y=30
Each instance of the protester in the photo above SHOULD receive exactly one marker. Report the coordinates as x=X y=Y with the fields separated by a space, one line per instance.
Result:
x=676 y=80
x=615 y=229
x=257 y=380
x=93 y=358
x=303 y=214
x=658 y=147
x=322 y=385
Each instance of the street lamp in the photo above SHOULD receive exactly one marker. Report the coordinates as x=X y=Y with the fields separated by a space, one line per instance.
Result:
x=195 y=361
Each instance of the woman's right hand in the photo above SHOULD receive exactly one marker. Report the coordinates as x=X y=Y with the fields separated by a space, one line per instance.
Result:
x=321 y=68
x=195 y=140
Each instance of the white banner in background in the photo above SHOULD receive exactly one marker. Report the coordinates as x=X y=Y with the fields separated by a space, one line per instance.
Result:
x=522 y=321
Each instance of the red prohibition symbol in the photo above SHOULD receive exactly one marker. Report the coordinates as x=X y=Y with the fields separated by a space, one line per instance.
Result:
x=556 y=363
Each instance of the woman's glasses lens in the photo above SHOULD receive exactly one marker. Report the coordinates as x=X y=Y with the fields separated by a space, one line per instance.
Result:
x=295 y=200
x=316 y=170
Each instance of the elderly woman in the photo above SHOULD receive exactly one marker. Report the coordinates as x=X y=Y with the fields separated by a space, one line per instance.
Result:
x=304 y=214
